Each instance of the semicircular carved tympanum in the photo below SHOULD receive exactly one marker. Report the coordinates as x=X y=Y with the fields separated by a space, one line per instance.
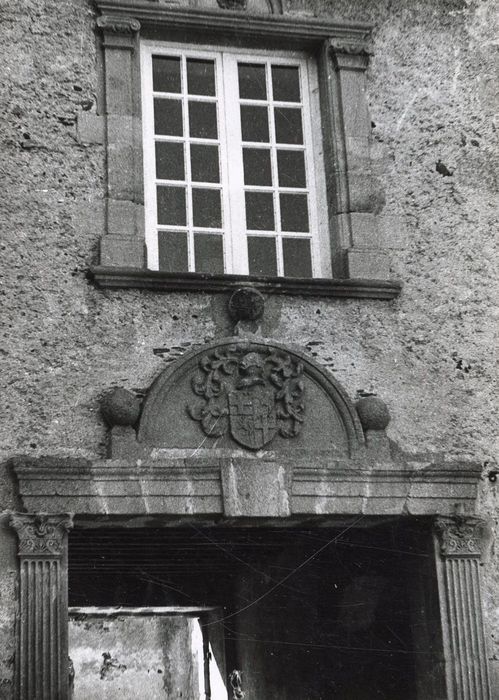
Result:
x=273 y=7
x=250 y=395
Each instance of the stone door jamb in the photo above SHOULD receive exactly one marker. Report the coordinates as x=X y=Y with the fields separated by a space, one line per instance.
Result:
x=460 y=544
x=42 y=669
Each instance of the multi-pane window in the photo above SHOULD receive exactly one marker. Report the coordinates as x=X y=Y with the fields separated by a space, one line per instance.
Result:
x=231 y=169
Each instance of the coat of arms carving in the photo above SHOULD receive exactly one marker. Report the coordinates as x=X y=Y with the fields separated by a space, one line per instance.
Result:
x=253 y=394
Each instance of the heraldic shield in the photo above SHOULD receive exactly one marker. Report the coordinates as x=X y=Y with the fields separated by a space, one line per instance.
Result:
x=252 y=394
x=252 y=416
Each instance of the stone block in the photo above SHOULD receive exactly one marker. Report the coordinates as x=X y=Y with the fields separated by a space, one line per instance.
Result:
x=354 y=100
x=119 y=81
x=366 y=193
x=90 y=216
x=358 y=154
x=378 y=445
x=121 y=157
x=90 y=128
x=122 y=251
x=364 y=230
x=392 y=232
x=367 y=264
x=125 y=217
x=254 y=488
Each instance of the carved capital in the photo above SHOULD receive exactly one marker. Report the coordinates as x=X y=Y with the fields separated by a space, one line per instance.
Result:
x=349 y=55
x=40 y=534
x=118 y=24
x=462 y=536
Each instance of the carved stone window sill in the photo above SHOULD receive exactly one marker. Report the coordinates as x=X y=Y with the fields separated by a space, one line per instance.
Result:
x=132 y=278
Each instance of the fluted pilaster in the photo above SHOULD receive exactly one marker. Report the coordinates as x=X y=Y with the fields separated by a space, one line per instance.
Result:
x=42 y=659
x=460 y=544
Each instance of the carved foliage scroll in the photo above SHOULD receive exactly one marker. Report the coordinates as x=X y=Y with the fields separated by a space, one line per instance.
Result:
x=41 y=535
x=252 y=394
x=461 y=536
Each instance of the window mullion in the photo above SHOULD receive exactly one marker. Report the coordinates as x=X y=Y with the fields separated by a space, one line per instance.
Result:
x=151 y=234
x=234 y=184
x=187 y=160
x=275 y=181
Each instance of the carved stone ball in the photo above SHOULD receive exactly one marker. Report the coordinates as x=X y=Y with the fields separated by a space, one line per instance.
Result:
x=373 y=413
x=246 y=304
x=120 y=407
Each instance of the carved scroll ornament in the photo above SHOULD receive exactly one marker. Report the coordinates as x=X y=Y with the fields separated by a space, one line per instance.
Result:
x=118 y=25
x=41 y=534
x=252 y=394
x=461 y=536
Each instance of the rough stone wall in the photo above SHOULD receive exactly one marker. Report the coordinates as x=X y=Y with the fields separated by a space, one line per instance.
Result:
x=429 y=354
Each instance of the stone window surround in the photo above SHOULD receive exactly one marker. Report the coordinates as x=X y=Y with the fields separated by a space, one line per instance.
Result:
x=360 y=264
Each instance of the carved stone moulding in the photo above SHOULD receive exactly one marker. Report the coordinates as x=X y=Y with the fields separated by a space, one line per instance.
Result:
x=118 y=24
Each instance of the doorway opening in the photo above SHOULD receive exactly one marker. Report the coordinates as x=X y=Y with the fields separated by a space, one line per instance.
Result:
x=299 y=613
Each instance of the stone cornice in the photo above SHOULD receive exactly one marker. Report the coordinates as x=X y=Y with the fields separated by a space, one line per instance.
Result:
x=41 y=535
x=297 y=29
x=132 y=278
x=462 y=536
x=178 y=485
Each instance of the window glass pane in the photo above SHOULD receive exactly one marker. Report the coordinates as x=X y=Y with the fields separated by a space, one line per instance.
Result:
x=291 y=168
x=200 y=77
x=206 y=208
x=172 y=248
x=286 y=83
x=288 y=127
x=203 y=120
x=262 y=257
x=257 y=169
x=166 y=74
x=171 y=205
x=254 y=123
x=168 y=117
x=260 y=211
x=252 y=85
x=294 y=212
x=170 y=160
x=204 y=163
x=209 y=253
x=297 y=257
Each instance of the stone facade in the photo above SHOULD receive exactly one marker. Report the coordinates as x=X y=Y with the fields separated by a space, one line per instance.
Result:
x=429 y=352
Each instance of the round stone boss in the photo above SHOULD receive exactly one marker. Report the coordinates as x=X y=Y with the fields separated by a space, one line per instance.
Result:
x=246 y=304
x=120 y=407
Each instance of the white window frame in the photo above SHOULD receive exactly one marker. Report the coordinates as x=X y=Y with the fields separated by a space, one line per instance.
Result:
x=231 y=152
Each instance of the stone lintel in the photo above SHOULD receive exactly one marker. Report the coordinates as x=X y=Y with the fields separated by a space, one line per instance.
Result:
x=179 y=485
x=296 y=30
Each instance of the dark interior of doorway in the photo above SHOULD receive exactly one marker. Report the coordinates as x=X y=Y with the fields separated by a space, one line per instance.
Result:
x=307 y=613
